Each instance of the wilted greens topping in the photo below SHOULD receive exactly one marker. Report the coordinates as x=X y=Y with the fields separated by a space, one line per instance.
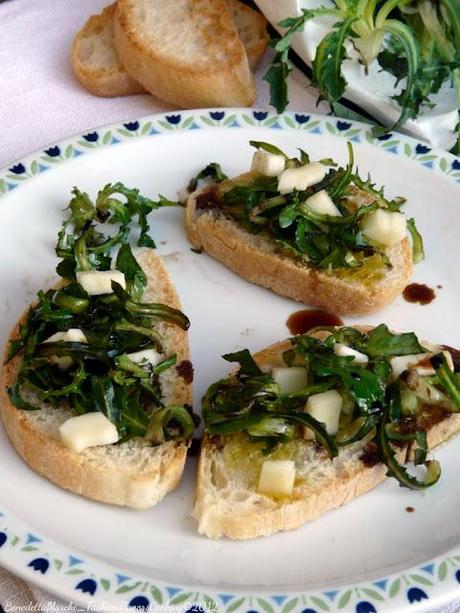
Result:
x=385 y=411
x=98 y=375
x=324 y=241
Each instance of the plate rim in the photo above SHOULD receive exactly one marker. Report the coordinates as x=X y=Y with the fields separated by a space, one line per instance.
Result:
x=88 y=580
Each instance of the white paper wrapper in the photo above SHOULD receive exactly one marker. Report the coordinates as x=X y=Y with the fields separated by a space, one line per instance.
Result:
x=370 y=92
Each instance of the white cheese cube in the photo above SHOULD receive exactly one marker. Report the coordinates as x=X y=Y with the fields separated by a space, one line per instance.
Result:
x=72 y=335
x=277 y=477
x=291 y=379
x=98 y=282
x=268 y=164
x=89 y=430
x=417 y=361
x=146 y=356
x=322 y=203
x=384 y=227
x=326 y=407
x=301 y=178
x=345 y=351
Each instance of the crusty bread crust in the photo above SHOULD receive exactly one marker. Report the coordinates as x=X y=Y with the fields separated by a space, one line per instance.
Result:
x=217 y=75
x=256 y=259
x=96 y=64
x=242 y=515
x=101 y=75
x=133 y=473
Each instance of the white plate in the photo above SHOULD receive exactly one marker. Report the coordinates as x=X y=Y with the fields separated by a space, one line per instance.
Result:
x=371 y=555
x=372 y=92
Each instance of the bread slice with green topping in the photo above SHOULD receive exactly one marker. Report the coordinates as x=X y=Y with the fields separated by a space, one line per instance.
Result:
x=306 y=230
x=133 y=473
x=232 y=499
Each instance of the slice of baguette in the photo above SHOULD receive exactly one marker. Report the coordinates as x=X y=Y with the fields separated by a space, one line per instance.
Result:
x=97 y=66
x=228 y=505
x=133 y=473
x=95 y=61
x=256 y=258
x=186 y=52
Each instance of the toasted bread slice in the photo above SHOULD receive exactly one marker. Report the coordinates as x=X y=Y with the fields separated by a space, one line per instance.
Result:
x=98 y=68
x=227 y=503
x=186 y=52
x=256 y=258
x=132 y=473
x=95 y=61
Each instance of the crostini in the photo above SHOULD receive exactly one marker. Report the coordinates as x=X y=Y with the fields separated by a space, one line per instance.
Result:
x=306 y=425
x=307 y=230
x=95 y=390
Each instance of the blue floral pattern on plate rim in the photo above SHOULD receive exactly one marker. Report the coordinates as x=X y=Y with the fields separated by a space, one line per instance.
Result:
x=87 y=580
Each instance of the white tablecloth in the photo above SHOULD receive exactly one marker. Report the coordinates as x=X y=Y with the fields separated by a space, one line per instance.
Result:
x=41 y=102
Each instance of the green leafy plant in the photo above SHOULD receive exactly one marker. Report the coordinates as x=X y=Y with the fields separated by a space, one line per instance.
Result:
x=417 y=41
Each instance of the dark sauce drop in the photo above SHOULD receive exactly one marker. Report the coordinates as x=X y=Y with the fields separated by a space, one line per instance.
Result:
x=418 y=292
x=410 y=509
x=302 y=321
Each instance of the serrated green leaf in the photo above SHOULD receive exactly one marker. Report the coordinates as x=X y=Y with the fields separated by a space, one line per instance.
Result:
x=188 y=122
x=105 y=584
x=29 y=548
x=146 y=127
x=320 y=603
x=68 y=151
x=156 y=594
x=329 y=57
x=372 y=594
x=289 y=606
x=421 y=579
x=442 y=571
x=394 y=588
x=233 y=606
x=266 y=606
x=344 y=599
